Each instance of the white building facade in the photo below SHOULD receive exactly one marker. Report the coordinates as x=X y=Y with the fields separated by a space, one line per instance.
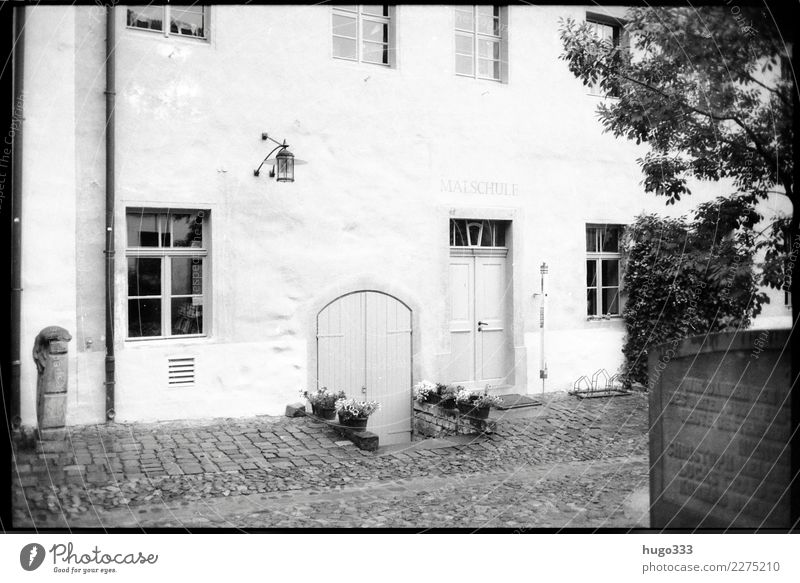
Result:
x=450 y=153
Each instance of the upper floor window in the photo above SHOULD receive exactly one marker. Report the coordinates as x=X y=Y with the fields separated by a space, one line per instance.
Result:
x=481 y=46
x=191 y=21
x=607 y=30
x=477 y=233
x=364 y=33
x=167 y=255
x=602 y=270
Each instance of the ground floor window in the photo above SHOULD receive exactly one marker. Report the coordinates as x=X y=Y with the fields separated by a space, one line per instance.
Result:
x=167 y=260
x=602 y=270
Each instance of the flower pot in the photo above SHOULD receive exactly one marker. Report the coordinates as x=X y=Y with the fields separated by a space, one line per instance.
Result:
x=433 y=399
x=448 y=408
x=314 y=409
x=465 y=408
x=328 y=413
x=480 y=412
x=358 y=423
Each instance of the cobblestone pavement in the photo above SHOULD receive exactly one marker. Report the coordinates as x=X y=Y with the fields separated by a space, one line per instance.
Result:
x=569 y=463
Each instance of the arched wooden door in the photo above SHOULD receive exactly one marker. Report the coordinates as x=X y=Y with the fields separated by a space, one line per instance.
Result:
x=364 y=340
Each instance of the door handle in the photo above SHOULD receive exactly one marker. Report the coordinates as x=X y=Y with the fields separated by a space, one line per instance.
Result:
x=481 y=324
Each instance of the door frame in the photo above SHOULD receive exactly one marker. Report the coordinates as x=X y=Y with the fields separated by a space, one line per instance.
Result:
x=515 y=259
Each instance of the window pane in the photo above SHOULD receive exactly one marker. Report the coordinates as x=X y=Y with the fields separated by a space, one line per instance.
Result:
x=142 y=230
x=610 y=272
x=463 y=44
x=486 y=236
x=591 y=273
x=375 y=31
x=458 y=236
x=344 y=26
x=488 y=49
x=144 y=318
x=611 y=239
x=488 y=69
x=611 y=301
x=376 y=10
x=187 y=229
x=474 y=231
x=464 y=65
x=149 y=17
x=144 y=276
x=187 y=316
x=603 y=31
x=344 y=48
x=375 y=53
x=464 y=18
x=187 y=20
x=591 y=239
x=500 y=234
x=489 y=20
x=187 y=276
x=591 y=302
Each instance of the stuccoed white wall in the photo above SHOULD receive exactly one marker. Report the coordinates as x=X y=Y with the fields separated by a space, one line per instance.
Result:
x=49 y=195
x=369 y=206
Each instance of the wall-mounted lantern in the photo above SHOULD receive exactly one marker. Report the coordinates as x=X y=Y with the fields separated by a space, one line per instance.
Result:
x=283 y=164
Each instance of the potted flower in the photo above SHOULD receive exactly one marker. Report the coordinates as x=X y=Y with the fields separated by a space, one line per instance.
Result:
x=478 y=405
x=465 y=400
x=447 y=396
x=425 y=392
x=353 y=413
x=323 y=402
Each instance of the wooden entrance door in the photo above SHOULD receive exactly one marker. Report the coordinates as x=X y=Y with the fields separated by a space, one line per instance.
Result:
x=478 y=318
x=364 y=349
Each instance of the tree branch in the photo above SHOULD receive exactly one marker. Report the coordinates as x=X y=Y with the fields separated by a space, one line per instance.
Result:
x=674 y=98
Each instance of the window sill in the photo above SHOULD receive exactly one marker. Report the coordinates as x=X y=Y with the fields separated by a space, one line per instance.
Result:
x=604 y=319
x=168 y=341
x=171 y=36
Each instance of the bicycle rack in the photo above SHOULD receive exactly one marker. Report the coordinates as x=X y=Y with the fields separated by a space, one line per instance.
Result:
x=611 y=386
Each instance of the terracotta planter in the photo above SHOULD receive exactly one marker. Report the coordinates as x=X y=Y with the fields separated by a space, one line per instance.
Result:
x=433 y=399
x=358 y=423
x=326 y=413
x=314 y=409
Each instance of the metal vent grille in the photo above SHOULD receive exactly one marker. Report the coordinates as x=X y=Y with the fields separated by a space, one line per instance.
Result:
x=180 y=371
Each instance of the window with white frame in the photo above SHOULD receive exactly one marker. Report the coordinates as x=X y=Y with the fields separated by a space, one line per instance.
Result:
x=364 y=33
x=602 y=270
x=480 y=37
x=191 y=21
x=167 y=256
x=477 y=233
x=609 y=31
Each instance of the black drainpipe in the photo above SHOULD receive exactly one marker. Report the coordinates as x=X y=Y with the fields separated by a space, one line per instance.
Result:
x=109 y=251
x=16 y=213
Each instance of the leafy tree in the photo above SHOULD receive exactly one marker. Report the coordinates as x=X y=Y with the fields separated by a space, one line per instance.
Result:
x=686 y=277
x=711 y=92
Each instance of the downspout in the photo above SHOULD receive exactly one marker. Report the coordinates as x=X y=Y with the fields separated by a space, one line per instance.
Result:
x=109 y=251
x=16 y=214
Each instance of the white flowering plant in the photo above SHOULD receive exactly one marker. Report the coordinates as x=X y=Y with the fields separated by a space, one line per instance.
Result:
x=465 y=396
x=448 y=395
x=424 y=391
x=354 y=408
x=322 y=397
x=486 y=400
